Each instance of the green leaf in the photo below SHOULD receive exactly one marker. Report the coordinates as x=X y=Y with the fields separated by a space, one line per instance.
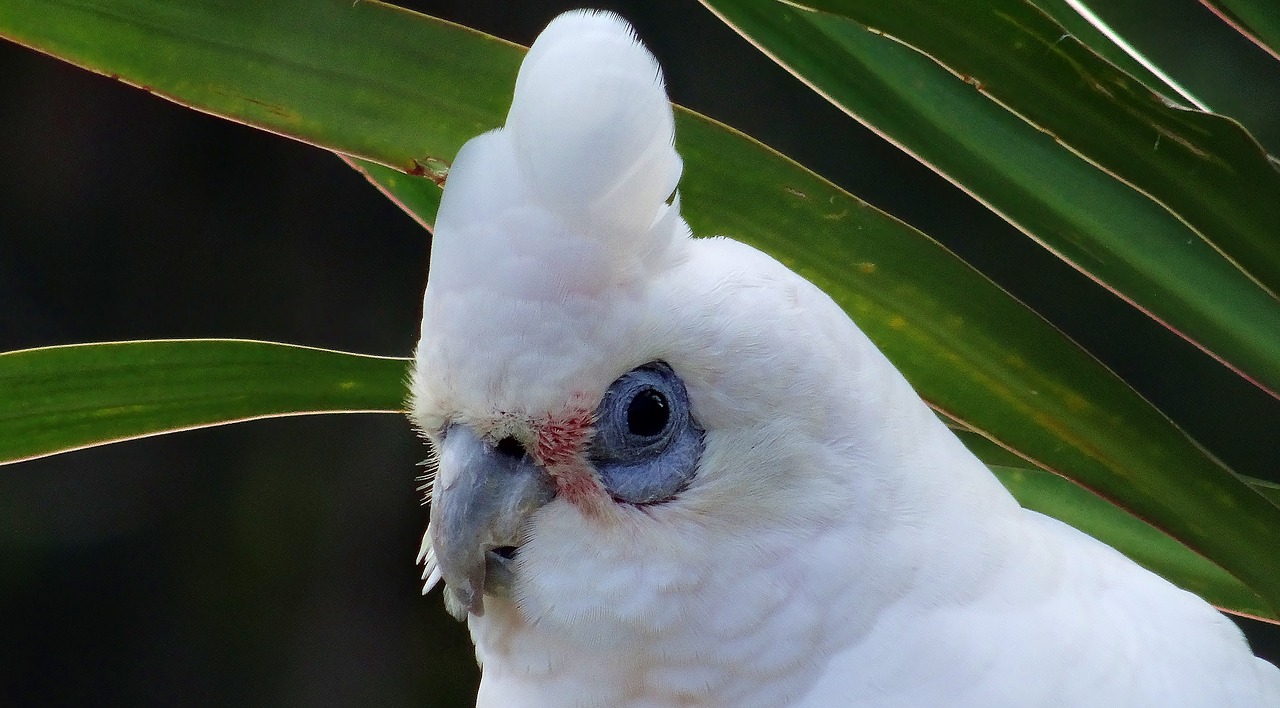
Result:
x=1053 y=495
x=1211 y=60
x=1259 y=20
x=1086 y=32
x=419 y=197
x=70 y=397
x=1200 y=257
x=1266 y=488
x=345 y=75
x=403 y=86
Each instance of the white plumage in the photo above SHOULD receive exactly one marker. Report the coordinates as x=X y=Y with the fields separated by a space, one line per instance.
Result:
x=834 y=545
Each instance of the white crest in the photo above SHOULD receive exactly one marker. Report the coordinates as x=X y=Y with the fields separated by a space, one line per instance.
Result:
x=546 y=222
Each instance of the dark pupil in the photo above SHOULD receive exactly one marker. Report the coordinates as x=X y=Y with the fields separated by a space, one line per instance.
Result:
x=647 y=414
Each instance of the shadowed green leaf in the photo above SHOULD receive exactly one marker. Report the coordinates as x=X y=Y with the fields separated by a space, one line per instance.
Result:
x=1085 y=31
x=1259 y=20
x=362 y=78
x=1216 y=64
x=1221 y=192
x=1115 y=234
x=65 y=398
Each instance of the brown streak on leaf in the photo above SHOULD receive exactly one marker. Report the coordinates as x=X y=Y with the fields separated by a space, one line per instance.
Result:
x=271 y=108
x=433 y=168
x=1190 y=146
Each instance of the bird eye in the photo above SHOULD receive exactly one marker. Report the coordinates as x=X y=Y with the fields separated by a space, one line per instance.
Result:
x=647 y=444
x=647 y=414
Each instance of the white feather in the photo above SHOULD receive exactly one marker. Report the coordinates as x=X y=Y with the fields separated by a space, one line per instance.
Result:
x=837 y=546
x=431 y=574
x=592 y=126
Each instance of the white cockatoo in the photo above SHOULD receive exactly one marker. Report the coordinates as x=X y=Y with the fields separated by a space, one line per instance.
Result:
x=671 y=472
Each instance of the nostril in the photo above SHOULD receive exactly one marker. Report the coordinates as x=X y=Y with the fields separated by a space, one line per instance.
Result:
x=507 y=552
x=510 y=447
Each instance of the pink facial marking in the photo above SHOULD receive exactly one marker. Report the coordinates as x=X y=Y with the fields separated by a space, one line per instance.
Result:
x=561 y=450
x=562 y=438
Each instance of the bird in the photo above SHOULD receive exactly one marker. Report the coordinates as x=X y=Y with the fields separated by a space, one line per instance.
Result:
x=668 y=471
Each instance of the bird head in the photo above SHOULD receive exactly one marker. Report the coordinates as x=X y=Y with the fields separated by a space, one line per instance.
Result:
x=619 y=412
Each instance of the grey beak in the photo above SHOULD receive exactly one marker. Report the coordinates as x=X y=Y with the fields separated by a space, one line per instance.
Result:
x=481 y=501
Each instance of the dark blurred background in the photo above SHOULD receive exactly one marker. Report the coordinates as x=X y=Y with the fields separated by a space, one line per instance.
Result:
x=271 y=563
